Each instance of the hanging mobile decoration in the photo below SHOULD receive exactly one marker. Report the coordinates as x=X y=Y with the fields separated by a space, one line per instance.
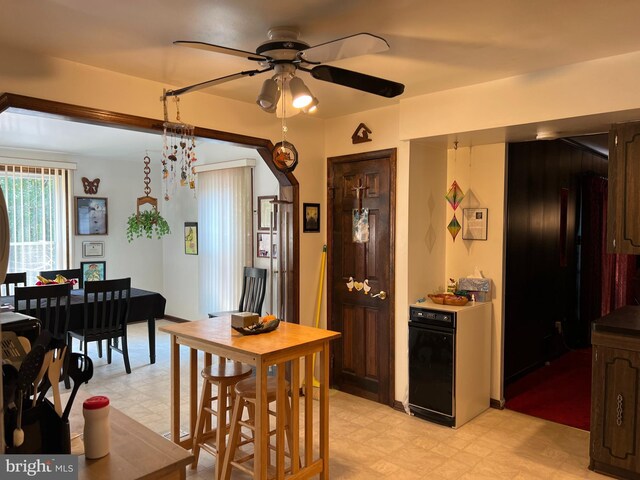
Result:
x=454 y=196
x=285 y=155
x=178 y=152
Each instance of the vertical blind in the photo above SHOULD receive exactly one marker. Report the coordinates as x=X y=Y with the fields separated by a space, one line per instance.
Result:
x=225 y=221
x=37 y=203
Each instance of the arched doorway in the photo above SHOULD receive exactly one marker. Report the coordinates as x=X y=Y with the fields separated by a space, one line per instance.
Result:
x=289 y=189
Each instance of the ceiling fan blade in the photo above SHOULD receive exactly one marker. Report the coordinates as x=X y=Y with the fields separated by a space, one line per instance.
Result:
x=351 y=46
x=215 y=81
x=219 y=49
x=359 y=81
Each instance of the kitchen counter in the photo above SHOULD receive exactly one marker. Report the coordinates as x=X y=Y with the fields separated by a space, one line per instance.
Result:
x=623 y=321
x=449 y=308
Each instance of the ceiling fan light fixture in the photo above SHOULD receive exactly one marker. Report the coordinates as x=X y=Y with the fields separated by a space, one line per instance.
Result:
x=300 y=93
x=269 y=95
x=312 y=107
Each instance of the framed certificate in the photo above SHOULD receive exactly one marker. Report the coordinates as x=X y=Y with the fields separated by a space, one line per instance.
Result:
x=474 y=223
x=92 y=249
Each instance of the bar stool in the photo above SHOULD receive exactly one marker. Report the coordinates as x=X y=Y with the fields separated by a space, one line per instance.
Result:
x=224 y=374
x=245 y=392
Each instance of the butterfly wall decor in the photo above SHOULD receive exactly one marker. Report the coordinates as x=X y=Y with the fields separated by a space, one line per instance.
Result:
x=90 y=186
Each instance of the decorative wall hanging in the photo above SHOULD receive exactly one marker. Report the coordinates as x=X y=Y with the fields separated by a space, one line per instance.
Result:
x=454 y=227
x=360 y=226
x=361 y=134
x=146 y=222
x=191 y=238
x=474 y=223
x=265 y=250
x=360 y=217
x=91 y=216
x=93 y=271
x=93 y=249
x=90 y=186
x=265 y=208
x=311 y=217
x=455 y=195
x=285 y=156
x=178 y=152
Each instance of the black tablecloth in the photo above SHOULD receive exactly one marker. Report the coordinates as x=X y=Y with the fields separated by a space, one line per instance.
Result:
x=144 y=305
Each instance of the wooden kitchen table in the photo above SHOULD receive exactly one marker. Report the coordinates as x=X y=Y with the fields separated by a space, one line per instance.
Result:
x=286 y=345
x=136 y=451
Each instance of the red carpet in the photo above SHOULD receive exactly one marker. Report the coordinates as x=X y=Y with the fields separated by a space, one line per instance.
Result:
x=560 y=392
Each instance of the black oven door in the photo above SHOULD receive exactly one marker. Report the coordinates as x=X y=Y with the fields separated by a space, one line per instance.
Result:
x=431 y=372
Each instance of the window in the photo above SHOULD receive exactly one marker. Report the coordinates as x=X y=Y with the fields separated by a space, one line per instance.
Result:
x=37 y=203
x=225 y=222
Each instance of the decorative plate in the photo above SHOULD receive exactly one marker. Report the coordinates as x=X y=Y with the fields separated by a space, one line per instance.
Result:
x=258 y=328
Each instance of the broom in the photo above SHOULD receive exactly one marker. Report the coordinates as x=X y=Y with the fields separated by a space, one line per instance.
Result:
x=316 y=383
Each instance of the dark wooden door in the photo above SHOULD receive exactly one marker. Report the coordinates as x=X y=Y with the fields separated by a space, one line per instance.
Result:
x=363 y=358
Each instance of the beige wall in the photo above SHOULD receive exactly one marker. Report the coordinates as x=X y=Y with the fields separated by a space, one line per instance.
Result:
x=588 y=88
x=480 y=172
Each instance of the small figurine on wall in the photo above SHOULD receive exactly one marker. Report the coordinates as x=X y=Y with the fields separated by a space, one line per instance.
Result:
x=361 y=134
x=90 y=186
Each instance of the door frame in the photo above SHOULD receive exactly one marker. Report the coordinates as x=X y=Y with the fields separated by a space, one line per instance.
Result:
x=391 y=153
x=289 y=187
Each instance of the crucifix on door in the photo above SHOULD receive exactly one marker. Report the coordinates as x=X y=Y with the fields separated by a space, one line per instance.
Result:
x=360 y=219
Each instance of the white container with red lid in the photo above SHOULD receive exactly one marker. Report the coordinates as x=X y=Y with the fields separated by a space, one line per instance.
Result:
x=97 y=432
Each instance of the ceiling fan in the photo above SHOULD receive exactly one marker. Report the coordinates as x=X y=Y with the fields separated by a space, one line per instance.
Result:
x=284 y=54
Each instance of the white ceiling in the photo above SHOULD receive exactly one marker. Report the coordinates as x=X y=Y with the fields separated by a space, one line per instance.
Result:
x=74 y=139
x=435 y=44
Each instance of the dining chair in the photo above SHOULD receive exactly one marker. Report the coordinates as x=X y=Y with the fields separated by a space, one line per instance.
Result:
x=254 y=287
x=48 y=303
x=69 y=274
x=12 y=279
x=106 y=312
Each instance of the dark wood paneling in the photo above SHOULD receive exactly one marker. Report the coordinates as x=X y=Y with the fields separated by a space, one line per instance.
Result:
x=541 y=283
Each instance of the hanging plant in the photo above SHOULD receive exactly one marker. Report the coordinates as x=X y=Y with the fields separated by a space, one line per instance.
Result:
x=147 y=224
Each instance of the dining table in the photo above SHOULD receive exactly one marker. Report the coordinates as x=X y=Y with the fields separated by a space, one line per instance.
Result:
x=144 y=306
x=289 y=351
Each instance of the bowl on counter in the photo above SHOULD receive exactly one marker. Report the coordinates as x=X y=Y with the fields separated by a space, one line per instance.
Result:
x=448 y=299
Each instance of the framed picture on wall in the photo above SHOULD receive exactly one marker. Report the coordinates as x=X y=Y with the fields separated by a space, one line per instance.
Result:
x=474 y=223
x=264 y=249
x=91 y=216
x=191 y=238
x=311 y=220
x=92 y=249
x=265 y=207
x=93 y=271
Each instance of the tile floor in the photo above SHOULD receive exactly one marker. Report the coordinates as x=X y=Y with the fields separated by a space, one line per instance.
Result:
x=368 y=440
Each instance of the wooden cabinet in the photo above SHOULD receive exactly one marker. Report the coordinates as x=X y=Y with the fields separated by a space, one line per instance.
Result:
x=623 y=216
x=615 y=393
